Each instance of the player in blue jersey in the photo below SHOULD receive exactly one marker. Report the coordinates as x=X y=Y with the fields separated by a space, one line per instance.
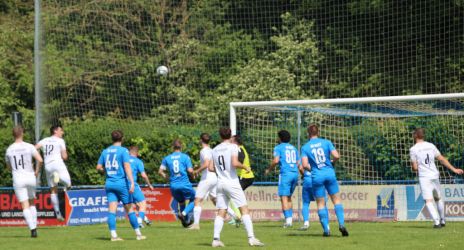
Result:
x=119 y=185
x=286 y=155
x=180 y=166
x=316 y=156
x=139 y=199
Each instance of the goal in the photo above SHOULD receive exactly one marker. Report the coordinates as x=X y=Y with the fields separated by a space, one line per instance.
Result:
x=373 y=136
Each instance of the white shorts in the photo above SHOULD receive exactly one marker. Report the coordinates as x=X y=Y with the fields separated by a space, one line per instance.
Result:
x=207 y=187
x=62 y=171
x=230 y=191
x=24 y=186
x=430 y=188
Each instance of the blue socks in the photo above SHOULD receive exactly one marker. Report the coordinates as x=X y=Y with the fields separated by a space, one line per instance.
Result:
x=133 y=220
x=182 y=208
x=111 y=221
x=340 y=214
x=305 y=211
x=324 y=219
x=189 y=208
x=288 y=213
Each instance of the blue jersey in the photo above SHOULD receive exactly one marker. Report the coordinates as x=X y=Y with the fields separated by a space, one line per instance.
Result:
x=318 y=152
x=113 y=159
x=136 y=166
x=177 y=163
x=288 y=158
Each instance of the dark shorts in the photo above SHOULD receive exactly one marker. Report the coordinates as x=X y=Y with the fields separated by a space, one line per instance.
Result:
x=246 y=182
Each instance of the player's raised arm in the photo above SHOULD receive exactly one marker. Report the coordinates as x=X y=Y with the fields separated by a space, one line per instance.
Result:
x=448 y=165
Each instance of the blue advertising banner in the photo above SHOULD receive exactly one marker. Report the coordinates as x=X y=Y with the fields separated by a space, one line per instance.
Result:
x=89 y=207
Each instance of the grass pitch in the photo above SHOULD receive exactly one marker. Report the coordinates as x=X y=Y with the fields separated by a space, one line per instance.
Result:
x=394 y=235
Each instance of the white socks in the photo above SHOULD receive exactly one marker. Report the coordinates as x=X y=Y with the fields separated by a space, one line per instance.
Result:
x=218 y=223
x=137 y=232
x=433 y=212
x=289 y=220
x=246 y=219
x=113 y=234
x=441 y=210
x=55 y=202
x=306 y=223
x=196 y=215
x=34 y=215
x=29 y=219
x=231 y=212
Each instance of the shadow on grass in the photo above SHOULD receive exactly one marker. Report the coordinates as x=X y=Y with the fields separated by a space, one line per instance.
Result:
x=317 y=235
x=103 y=238
x=413 y=226
x=16 y=236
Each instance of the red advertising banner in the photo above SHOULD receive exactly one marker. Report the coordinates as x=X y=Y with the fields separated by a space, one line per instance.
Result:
x=159 y=204
x=11 y=213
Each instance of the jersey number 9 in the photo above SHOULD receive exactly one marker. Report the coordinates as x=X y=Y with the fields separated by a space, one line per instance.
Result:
x=222 y=163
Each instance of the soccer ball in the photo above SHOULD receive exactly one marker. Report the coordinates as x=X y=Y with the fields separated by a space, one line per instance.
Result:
x=162 y=70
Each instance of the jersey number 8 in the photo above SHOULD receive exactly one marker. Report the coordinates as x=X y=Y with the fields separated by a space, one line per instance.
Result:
x=175 y=166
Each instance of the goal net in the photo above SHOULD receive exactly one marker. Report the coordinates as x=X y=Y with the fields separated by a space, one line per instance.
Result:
x=372 y=135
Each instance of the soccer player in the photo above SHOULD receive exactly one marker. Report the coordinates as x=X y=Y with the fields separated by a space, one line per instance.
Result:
x=179 y=166
x=286 y=155
x=423 y=155
x=225 y=162
x=119 y=184
x=19 y=158
x=316 y=157
x=138 y=197
x=207 y=185
x=54 y=151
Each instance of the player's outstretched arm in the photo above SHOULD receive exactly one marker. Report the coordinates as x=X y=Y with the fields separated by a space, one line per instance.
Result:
x=162 y=173
x=448 y=165
x=38 y=163
x=130 y=177
x=274 y=163
x=204 y=166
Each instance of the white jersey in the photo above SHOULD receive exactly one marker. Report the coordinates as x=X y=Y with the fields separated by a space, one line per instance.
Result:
x=222 y=157
x=51 y=148
x=424 y=153
x=206 y=154
x=19 y=156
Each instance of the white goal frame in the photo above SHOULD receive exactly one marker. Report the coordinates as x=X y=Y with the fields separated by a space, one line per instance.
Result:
x=234 y=105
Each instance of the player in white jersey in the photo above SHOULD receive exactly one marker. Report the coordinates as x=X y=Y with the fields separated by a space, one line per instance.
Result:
x=423 y=155
x=19 y=159
x=225 y=162
x=207 y=185
x=54 y=151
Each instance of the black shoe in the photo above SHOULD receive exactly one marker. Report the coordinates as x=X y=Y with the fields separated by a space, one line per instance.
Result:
x=442 y=224
x=148 y=222
x=437 y=226
x=181 y=217
x=326 y=234
x=34 y=233
x=343 y=231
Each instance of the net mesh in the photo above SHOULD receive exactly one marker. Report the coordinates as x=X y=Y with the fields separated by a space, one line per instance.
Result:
x=373 y=139
x=99 y=61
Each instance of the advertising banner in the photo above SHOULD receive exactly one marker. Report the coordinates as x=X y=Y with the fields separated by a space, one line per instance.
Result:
x=11 y=213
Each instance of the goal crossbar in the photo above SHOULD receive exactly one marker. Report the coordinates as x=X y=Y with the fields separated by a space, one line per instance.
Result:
x=233 y=105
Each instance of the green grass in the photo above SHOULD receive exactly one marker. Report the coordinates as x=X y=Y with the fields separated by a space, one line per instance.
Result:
x=394 y=235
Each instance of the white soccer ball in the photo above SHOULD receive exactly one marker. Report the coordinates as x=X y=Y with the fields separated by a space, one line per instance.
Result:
x=162 y=70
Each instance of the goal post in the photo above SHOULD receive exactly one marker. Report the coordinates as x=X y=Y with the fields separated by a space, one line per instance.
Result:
x=373 y=136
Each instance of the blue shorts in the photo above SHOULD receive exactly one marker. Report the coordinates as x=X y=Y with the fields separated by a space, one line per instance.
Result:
x=183 y=193
x=307 y=193
x=287 y=184
x=116 y=192
x=324 y=180
x=138 y=194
